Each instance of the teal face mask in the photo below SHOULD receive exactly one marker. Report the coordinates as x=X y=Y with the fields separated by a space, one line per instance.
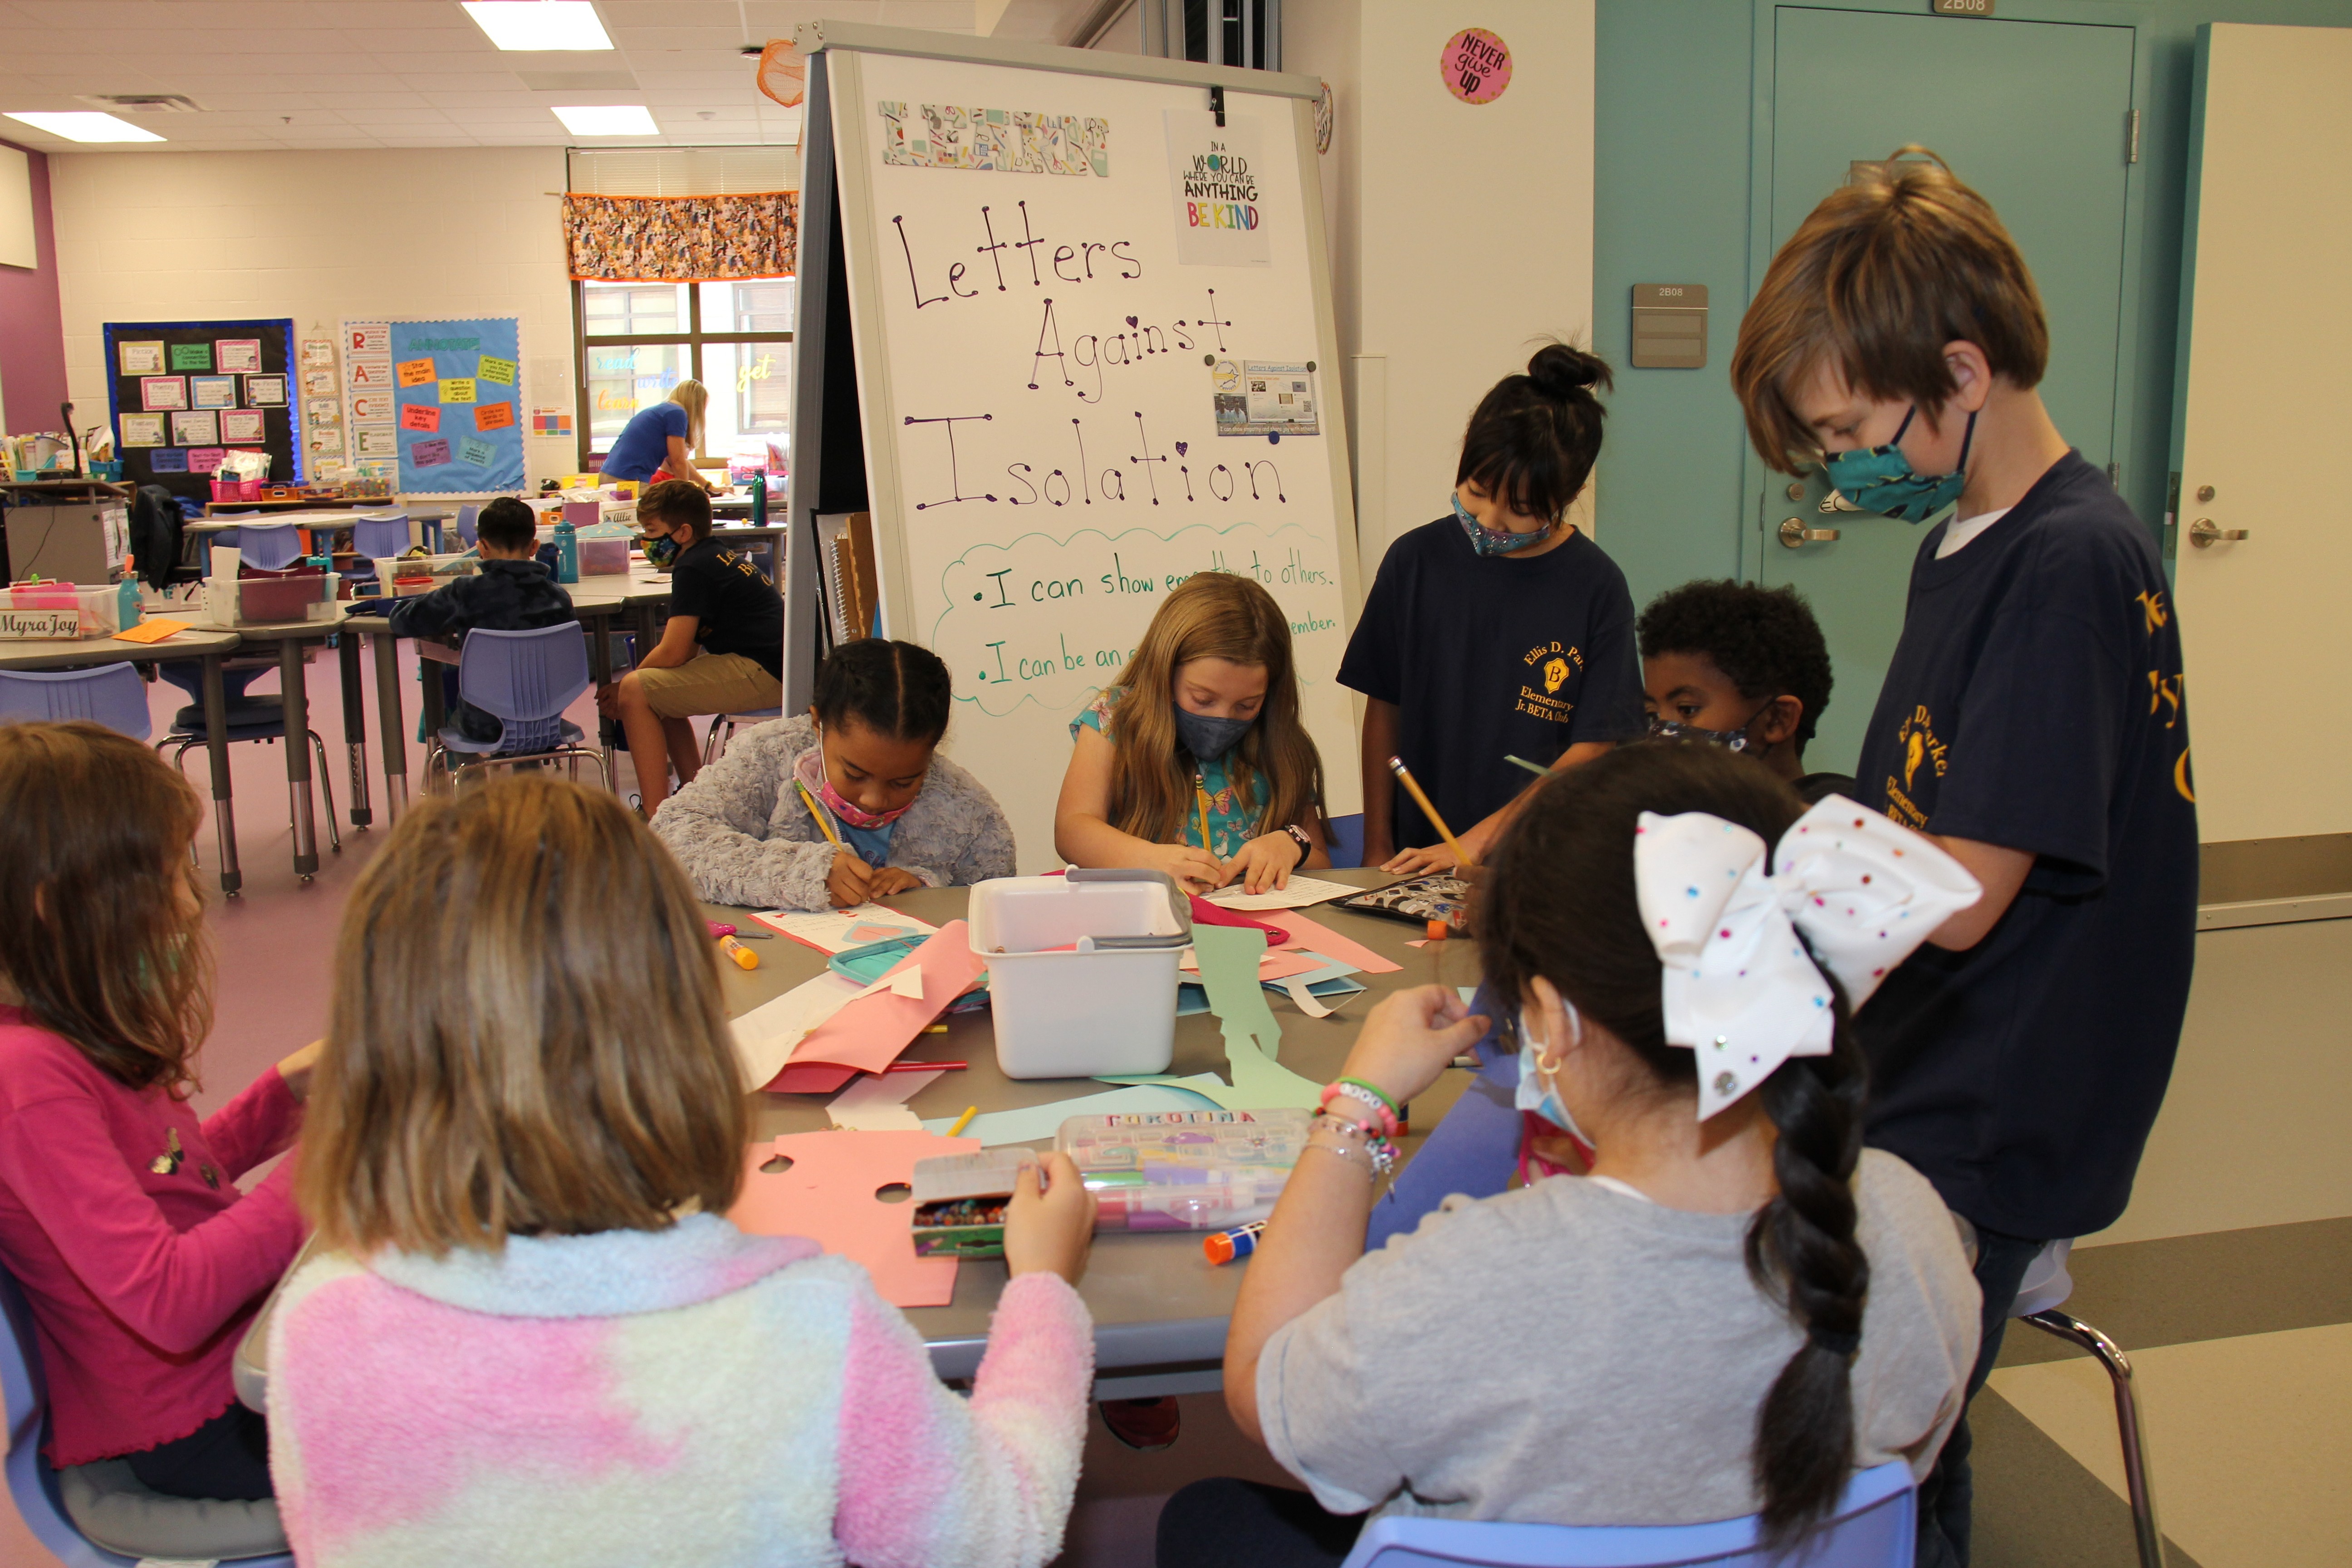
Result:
x=1487 y=540
x=1882 y=479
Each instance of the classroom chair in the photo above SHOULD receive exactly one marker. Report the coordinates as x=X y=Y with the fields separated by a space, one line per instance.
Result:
x=526 y=680
x=1874 y=1527
x=469 y=519
x=714 y=745
x=253 y=719
x=1347 y=836
x=267 y=546
x=100 y=1515
x=2046 y=1287
x=112 y=695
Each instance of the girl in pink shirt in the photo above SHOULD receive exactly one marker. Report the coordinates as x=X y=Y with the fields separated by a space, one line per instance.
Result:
x=531 y=1334
x=119 y=1213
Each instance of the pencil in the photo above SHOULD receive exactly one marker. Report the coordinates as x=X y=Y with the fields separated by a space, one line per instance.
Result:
x=1412 y=788
x=963 y=1122
x=1201 y=795
x=823 y=825
x=1536 y=768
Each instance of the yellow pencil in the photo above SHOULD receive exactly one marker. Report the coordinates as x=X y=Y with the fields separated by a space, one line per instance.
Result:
x=963 y=1122
x=823 y=825
x=1412 y=788
x=1201 y=794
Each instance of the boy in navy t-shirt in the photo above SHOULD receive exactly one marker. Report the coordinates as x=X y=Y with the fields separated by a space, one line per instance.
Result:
x=2033 y=721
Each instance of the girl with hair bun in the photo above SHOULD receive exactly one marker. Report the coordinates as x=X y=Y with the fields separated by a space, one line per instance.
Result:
x=1499 y=631
x=1737 y=1308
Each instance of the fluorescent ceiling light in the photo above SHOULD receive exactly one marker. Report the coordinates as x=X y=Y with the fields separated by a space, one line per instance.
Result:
x=539 y=24
x=84 y=125
x=607 y=120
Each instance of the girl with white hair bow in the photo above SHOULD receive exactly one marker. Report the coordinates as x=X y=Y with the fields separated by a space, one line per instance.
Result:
x=1736 y=1309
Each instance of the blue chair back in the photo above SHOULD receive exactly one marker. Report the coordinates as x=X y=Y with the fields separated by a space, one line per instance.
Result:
x=112 y=695
x=526 y=678
x=268 y=546
x=380 y=533
x=468 y=518
x=1874 y=1527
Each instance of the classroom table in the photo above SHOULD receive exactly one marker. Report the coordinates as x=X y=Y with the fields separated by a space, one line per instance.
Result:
x=1160 y=1306
x=203 y=643
x=310 y=519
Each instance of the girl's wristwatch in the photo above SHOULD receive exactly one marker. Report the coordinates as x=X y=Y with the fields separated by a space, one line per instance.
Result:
x=1299 y=837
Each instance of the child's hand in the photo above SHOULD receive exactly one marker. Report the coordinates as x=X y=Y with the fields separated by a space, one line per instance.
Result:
x=1266 y=862
x=1423 y=861
x=1195 y=870
x=850 y=881
x=1049 y=1231
x=888 y=879
x=1408 y=1040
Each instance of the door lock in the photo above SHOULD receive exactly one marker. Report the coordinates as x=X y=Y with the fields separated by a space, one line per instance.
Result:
x=2203 y=533
x=1796 y=535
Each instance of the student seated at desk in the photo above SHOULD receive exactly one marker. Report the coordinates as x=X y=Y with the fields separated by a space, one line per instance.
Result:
x=532 y=1333
x=512 y=592
x=723 y=601
x=1729 y=664
x=1736 y=1309
x=850 y=803
x=120 y=1213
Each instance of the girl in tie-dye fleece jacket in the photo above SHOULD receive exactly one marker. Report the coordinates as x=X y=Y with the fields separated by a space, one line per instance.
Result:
x=513 y=1348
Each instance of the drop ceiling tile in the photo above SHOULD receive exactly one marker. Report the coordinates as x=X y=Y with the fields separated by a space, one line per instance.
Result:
x=436 y=86
x=664 y=13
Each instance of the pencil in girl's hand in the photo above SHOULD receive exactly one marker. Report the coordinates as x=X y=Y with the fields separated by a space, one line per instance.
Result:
x=824 y=824
x=1412 y=788
x=1201 y=795
x=1536 y=768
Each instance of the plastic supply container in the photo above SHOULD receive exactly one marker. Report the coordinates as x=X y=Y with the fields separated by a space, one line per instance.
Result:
x=1082 y=970
x=605 y=549
x=45 y=610
x=270 y=600
x=403 y=575
x=1185 y=1169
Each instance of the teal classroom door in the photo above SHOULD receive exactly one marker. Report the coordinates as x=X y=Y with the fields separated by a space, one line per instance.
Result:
x=2032 y=115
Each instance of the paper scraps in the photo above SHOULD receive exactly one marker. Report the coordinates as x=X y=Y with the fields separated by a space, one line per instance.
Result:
x=1301 y=892
x=878 y=1103
x=838 y=931
x=867 y=1037
x=1229 y=956
x=849 y=1192
x=1322 y=939
x=1031 y=1122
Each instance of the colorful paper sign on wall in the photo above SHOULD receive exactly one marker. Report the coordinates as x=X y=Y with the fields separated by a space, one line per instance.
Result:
x=442 y=362
x=501 y=371
x=1476 y=66
x=317 y=353
x=237 y=354
x=163 y=392
x=192 y=356
x=243 y=425
x=166 y=461
x=204 y=459
x=200 y=428
x=143 y=430
x=141 y=359
x=549 y=421
x=1218 y=206
x=371 y=339
x=265 y=391
x=213 y=391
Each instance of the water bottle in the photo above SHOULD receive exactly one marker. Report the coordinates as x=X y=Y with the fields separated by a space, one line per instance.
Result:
x=567 y=552
x=758 y=501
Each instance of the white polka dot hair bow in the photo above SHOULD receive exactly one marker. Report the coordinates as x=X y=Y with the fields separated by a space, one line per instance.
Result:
x=1740 y=989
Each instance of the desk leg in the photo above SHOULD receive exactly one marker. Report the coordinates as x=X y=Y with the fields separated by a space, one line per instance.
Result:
x=391 y=724
x=437 y=716
x=297 y=699
x=216 y=747
x=347 y=652
x=600 y=671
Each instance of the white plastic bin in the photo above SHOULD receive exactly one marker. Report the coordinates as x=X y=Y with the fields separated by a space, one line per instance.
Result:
x=1105 y=1001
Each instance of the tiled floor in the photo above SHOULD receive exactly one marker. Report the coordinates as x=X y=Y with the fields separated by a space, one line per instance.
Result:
x=2242 y=1336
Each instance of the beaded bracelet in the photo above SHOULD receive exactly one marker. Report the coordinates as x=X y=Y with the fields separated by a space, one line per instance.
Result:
x=1371 y=1099
x=1379 y=1152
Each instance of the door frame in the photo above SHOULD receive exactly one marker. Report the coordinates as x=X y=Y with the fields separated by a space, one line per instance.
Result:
x=2135 y=457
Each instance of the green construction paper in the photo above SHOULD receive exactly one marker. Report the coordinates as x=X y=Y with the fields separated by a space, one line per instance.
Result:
x=1228 y=957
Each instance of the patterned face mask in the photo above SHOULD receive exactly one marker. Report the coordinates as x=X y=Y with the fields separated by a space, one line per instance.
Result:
x=661 y=551
x=1494 y=540
x=1737 y=740
x=1882 y=479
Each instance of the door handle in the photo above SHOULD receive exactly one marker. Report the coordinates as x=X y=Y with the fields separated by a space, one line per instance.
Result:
x=1796 y=535
x=2204 y=535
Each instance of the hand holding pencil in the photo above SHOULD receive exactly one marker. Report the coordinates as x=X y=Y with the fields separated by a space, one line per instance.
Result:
x=1420 y=861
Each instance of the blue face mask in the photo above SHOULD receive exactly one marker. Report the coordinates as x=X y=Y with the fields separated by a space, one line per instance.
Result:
x=1208 y=739
x=1882 y=479
x=1537 y=1091
x=1494 y=541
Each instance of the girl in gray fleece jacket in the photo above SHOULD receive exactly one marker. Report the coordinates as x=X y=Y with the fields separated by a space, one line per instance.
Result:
x=849 y=803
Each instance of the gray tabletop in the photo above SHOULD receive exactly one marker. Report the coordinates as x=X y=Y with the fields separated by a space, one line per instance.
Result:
x=69 y=653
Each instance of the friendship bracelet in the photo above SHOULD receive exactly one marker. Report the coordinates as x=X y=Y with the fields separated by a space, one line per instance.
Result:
x=1362 y=1122
x=1376 y=1092
x=1379 y=1152
x=1371 y=1099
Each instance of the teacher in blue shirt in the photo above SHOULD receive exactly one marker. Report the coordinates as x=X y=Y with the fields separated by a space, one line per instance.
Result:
x=659 y=442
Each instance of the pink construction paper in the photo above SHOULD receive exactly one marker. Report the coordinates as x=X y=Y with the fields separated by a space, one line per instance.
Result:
x=1322 y=939
x=868 y=1034
x=828 y=1195
x=1275 y=964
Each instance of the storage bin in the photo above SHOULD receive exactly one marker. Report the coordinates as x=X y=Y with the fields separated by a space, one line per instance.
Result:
x=1185 y=1169
x=44 y=610
x=408 y=574
x=270 y=601
x=605 y=549
x=1081 y=970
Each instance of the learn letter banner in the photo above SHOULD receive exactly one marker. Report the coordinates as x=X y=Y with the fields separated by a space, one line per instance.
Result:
x=438 y=354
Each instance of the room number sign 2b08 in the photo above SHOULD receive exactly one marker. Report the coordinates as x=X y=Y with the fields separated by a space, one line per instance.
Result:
x=1963 y=8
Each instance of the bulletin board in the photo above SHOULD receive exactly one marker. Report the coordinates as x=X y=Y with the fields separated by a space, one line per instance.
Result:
x=182 y=393
x=457 y=394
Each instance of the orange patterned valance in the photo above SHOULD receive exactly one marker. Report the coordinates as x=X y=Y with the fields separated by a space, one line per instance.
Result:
x=681 y=239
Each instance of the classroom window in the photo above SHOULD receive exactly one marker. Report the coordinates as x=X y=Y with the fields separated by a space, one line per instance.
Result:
x=638 y=340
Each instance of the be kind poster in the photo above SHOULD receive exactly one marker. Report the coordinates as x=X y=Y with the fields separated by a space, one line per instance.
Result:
x=455 y=391
x=1212 y=178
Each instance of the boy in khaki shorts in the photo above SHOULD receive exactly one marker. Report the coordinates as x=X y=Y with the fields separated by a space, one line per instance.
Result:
x=721 y=652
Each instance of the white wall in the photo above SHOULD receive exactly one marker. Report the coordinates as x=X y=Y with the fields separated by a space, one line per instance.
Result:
x=426 y=232
x=1461 y=233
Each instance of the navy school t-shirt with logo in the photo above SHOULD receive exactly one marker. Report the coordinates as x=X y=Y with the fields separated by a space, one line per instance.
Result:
x=738 y=608
x=1485 y=657
x=2035 y=702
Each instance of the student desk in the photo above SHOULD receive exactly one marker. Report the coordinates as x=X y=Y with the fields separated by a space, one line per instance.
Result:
x=313 y=519
x=199 y=642
x=1159 y=1307
x=291 y=638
